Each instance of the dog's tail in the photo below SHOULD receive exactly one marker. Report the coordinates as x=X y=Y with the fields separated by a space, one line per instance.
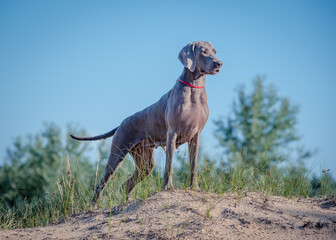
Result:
x=103 y=136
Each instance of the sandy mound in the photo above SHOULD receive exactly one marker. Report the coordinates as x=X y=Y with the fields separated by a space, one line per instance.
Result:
x=183 y=214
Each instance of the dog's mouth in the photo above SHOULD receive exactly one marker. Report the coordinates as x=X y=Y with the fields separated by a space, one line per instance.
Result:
x=213 y=72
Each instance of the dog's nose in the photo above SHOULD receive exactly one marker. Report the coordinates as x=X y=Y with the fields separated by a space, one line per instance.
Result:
x=219 y=64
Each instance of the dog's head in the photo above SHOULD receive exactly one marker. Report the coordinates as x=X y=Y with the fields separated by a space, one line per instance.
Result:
x=200 y=56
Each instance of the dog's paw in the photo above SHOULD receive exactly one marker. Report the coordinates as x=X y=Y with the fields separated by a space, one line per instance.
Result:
x=168 y=187
x=94 y=205
x=195 y=187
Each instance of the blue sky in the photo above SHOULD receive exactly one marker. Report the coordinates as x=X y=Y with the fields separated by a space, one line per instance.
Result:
x=97 y=62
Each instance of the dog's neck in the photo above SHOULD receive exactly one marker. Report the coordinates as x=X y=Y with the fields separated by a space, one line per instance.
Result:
x=195 y=78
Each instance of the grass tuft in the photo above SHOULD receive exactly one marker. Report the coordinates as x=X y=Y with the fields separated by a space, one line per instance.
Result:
x=73 y=195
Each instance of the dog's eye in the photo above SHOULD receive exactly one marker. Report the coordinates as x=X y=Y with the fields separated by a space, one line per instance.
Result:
x=205 y=51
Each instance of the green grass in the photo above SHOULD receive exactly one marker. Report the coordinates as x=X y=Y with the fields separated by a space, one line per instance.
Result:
x=72 y=196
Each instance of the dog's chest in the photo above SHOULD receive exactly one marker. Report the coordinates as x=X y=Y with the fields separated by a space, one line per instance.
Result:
x=188 y=113
x=195 y=106
x=194 y=115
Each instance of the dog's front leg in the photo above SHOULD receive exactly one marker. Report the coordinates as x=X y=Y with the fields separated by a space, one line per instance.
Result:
x=193 y=145
x=168 y=176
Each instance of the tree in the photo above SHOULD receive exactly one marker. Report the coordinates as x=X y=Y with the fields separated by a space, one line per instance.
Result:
x=261 y=128
x=33 y=164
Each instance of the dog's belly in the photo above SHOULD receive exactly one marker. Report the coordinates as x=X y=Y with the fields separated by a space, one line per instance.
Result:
x=186 y=135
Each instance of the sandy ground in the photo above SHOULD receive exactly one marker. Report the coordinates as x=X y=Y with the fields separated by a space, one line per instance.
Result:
x=184 y=214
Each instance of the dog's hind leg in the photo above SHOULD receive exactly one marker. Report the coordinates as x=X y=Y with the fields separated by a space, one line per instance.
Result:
x=119 y=149
x=144 y=165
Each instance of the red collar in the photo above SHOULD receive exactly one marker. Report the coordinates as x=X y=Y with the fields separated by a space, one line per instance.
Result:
x=190 y=84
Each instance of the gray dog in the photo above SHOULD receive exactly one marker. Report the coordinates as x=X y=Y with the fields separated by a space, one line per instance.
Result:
x=178 y=117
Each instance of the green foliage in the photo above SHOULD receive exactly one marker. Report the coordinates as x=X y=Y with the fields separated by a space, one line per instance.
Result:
x=258 y=139
x=73 y=194
x=323 y=186
x=262 y=125
x=33 y=164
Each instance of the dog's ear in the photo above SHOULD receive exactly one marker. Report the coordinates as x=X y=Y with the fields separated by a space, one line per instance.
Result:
x=187 y=57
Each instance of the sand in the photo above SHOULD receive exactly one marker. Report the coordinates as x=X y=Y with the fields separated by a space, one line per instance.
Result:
x=185 y=214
